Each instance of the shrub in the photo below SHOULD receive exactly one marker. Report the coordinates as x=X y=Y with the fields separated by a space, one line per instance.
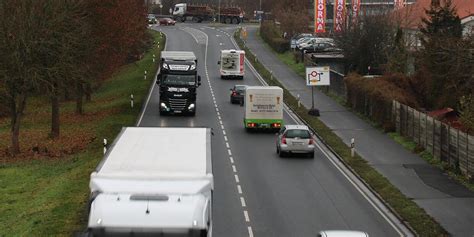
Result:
x=373 y=96
x=272 y=35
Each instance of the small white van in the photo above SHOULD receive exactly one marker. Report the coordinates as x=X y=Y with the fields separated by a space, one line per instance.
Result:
x=232 y=64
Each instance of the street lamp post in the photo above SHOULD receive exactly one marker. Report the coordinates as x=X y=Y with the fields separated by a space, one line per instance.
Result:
x=219 y=13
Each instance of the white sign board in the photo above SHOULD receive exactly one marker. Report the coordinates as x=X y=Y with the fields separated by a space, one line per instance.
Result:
x=317 y=76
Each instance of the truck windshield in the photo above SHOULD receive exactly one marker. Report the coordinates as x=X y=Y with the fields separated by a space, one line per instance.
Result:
x=179 y=80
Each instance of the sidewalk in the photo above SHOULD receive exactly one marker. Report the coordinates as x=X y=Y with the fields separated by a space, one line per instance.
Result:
x=449 y=203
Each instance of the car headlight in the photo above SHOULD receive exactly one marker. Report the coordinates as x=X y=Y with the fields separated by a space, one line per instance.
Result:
x=193 y=67
x=165 y=66
x=191 y=106
x=163 y=105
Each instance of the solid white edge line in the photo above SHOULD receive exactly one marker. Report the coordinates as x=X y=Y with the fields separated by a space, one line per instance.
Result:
x=398 y=229
x=152 y=86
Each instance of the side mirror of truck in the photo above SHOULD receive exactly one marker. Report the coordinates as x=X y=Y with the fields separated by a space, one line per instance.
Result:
x=158 y=79
x=218 y=62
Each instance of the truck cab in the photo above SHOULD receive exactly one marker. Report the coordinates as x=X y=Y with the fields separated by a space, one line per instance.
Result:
x=178 y=81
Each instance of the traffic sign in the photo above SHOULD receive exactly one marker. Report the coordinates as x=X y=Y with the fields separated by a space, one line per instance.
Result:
x=317 y=76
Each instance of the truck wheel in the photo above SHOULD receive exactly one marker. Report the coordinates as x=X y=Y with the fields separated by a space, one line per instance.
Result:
x=181 y=19
x=195 y=19
x=235 y=20
x=228 y=20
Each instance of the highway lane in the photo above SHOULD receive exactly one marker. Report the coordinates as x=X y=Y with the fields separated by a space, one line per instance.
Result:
x=271 y=196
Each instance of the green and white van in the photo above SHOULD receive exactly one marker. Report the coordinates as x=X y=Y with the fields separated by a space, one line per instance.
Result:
x=263 y=107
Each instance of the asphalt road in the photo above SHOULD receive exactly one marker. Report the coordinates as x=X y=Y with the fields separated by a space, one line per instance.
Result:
x=256 y=192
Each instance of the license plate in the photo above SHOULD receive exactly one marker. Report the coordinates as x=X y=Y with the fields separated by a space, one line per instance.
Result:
x=297 y=143
x=177 y=111
x=264 y=125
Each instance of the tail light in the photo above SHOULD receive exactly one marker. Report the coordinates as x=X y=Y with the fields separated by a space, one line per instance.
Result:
x=283 y=140
x=311 y=141
x=276 y=125
x=251 y=125
x=234 y=93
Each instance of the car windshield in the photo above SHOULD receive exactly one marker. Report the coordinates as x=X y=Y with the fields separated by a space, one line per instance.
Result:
x=300 y=133
x=179 y=80
x=240 y=88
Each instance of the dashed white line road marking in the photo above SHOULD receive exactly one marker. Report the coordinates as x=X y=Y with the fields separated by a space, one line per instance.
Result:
x=219 y=117
x=222 y=126
x=227 y=145
x=223 y=132
x=237 y=180
x=220 y=121
x=231 y=160
x=234 y=169
x=242 y=202
x=229 y=151
x=246 y=214
x=225 y=138
x=239 y=189
x=250 y=231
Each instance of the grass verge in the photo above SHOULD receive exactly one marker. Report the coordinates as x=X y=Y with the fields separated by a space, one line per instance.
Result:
x=47 y=196
x=405 y=208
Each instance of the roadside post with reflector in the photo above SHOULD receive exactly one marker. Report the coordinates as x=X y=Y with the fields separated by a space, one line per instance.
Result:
x=316 y=76
x=352 y=147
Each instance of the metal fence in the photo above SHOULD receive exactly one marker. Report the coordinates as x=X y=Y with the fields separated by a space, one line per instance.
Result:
x=444 y=142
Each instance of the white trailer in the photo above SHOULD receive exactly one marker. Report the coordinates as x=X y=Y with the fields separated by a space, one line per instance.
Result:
x=263 y=107
x=154 y=181
x=232 y=64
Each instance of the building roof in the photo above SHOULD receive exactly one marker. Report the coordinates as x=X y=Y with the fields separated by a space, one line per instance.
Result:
x=411 y=15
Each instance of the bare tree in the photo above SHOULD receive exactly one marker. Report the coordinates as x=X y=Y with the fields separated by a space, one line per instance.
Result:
x=19 y=67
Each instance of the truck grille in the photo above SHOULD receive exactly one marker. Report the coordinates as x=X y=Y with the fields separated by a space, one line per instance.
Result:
x=177 y=104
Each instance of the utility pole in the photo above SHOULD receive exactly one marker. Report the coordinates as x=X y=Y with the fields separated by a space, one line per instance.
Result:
x=219 y=13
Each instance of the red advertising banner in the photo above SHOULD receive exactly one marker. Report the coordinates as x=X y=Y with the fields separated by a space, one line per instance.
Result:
x=355 y=10
x=339 y=15
x=397 y=4
x=319 y=16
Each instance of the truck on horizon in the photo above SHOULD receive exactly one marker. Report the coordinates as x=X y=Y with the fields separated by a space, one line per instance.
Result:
x=198 y=13
x=147 y=184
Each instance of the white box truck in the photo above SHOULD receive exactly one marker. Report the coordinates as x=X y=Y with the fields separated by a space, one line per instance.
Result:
x=154 y=181
x=263 y=107
x=232 y=64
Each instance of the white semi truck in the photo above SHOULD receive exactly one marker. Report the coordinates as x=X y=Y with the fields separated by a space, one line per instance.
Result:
x=232 y=63
x=147 y=184
x=263 y=107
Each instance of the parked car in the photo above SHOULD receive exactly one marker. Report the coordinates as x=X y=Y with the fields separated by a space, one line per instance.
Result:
x=167 y=21
x=237 y=94
x=342 y=233
x=294 y=139
x=304 y=40
x=313 y=41
x=321 y=47
x=151 y=19
x=302 y=35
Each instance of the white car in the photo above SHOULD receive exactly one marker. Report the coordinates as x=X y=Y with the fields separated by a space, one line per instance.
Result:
x=342 y=233
x=294 y=139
